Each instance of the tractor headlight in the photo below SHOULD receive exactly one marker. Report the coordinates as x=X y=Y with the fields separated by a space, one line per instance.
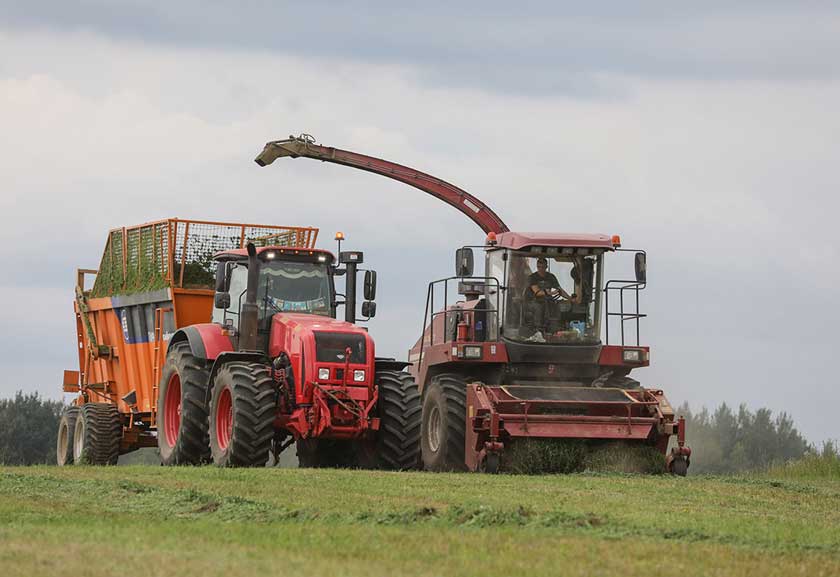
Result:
x=472 y=352
x=324 y=374
x=358 y=376
x=632 y=356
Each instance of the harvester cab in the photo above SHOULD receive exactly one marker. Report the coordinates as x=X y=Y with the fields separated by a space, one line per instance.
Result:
x=520 y=357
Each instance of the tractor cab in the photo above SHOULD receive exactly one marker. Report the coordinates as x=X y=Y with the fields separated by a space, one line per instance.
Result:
x=298 y=281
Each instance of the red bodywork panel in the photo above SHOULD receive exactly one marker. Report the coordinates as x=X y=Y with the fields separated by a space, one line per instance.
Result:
x=215 y=338
x=520 y=240
x=613 y=356
x=336 y=407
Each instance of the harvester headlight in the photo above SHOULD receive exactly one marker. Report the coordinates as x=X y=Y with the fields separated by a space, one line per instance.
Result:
x=358 y=376
x=323 y=374
x=322 y=258
x=632 y=356
x=472 y=352
x=270 y=255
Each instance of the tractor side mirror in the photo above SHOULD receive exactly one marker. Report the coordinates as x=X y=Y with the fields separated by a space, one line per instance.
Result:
x=369 y=309
x=223 y=277
x=464 y=262
x=370 y=285
x=222 y=300
x=641 y=267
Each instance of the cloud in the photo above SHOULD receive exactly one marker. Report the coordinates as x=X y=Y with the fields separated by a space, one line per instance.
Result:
x=536 y=48
x=728 y=185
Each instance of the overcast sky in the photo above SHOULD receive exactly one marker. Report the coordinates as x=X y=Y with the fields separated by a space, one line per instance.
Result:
x=707 y=135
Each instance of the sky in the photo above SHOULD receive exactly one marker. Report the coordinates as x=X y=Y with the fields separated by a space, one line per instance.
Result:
x=704 y=134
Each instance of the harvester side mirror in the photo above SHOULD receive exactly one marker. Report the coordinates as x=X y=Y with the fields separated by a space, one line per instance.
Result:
x=369 y=309
x=464 y=262
x=370 y=285
x=222 y=300
x=641 y=267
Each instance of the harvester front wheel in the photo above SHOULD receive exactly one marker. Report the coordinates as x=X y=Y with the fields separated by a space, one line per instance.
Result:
x=97 y=435
x=444 y=423
x=66 y=430
x=242 y=415
x=400 y=414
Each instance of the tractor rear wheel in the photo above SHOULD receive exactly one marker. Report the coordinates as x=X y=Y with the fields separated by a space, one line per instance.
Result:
x=97 y=435
x=444 y=423
x=66 y=430
x=400 y=415
x=181 y=408
x=242 y=415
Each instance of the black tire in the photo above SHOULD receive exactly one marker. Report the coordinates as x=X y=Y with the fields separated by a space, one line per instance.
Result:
x=400 y=414
x=188 y=443
x=679 y=467
x=442 y=436
x=66 y=430
x=491 y=463
x=252 y=394
x=97 y=435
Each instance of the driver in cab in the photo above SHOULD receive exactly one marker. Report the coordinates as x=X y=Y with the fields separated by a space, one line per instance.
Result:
x=544 y=284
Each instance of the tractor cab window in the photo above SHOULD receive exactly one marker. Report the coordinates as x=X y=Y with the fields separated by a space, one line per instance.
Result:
x=301 y=287
x=551 y=297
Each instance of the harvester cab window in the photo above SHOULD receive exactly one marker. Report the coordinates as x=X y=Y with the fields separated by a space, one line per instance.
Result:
x=551 y=297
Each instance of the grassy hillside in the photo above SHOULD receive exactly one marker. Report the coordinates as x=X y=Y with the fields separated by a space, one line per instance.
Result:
x=205 y=521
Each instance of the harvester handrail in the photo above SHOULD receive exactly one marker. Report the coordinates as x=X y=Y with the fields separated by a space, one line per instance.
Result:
x=621 y=286
x=430 y=306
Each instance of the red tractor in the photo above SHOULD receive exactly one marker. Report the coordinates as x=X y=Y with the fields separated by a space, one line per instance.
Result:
x=521 y=355
x=275 y=366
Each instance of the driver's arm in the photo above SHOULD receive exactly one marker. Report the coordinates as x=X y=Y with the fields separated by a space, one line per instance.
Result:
x=537 y=290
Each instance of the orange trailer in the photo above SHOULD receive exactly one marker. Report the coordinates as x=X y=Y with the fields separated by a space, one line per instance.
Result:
x=153 y=279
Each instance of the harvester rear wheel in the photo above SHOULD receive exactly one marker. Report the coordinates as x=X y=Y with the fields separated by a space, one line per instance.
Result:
x=679 y=467
x=181 y=408
x=400 y=414
x=444 y=423
x=242 y=415
x=97 y=435
x=66 y=430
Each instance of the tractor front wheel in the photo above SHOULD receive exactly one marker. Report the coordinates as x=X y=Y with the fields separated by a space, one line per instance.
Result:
x=242 y=415
x=444 y=423
x=66 y=429
x=97 y=435
x=400 y=416
x=181 y=408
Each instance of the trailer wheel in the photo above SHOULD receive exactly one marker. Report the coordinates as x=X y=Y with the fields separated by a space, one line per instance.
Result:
x=181 y=408
x=97 y=435
x=66 y=431
x=242 y=415
x=400 y=414
x=444 y=423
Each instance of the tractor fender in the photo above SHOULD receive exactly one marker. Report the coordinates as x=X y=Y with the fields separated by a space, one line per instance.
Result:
x=207 y=341
x=226 y=357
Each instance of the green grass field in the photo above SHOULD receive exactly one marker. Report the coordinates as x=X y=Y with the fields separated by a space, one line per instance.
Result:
x=205 y=521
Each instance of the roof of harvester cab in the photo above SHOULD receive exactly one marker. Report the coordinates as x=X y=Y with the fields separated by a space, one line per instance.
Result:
x=519 y=240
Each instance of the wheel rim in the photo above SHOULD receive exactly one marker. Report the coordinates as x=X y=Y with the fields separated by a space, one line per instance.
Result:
x=224 y=419
x=78 y=436
x=434 y=429
x=172 y=410
x=63 y=440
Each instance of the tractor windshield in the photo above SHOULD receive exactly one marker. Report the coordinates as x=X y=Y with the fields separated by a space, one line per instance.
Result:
x=294 y=287
x=551 y=295
x=284 y=286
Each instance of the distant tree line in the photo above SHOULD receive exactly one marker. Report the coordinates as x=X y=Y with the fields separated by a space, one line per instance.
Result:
x=726 y=441
x=28 y=429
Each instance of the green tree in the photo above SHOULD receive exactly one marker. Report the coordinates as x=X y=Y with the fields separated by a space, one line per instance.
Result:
x=28 y=428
